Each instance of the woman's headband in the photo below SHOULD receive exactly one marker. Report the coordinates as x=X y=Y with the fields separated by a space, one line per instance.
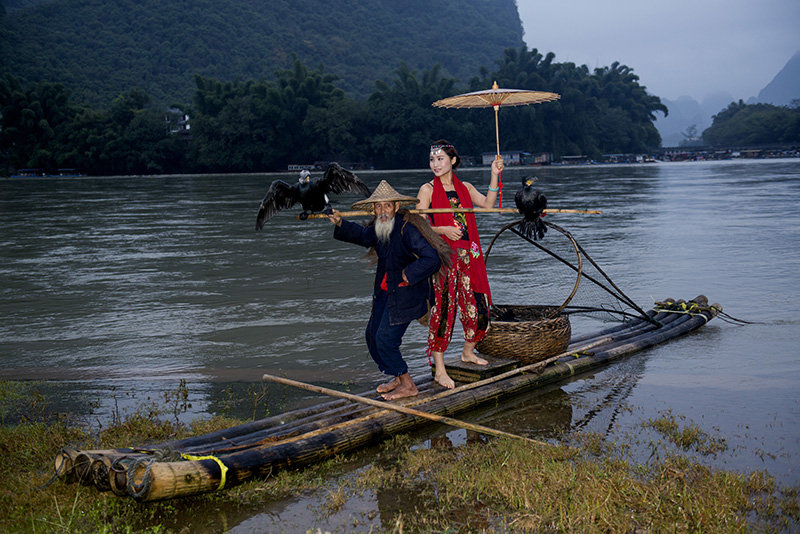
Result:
x=436 y=149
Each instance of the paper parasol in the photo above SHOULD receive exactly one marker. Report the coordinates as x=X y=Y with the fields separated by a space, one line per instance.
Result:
x=496 y=97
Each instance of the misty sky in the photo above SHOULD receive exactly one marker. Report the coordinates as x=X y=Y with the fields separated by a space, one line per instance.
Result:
x=676 y=47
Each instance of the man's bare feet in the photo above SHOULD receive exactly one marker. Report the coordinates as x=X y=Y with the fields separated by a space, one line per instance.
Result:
x=405 y=388
x=389 y=386
x=468 y=355
x=401 y=393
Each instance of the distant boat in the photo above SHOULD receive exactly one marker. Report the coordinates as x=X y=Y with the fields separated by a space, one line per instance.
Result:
x=67 y=173
x=60 y=173
x=21 y=173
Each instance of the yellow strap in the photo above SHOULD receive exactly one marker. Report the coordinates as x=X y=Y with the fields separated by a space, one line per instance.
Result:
x=222 y=467
x=685 y=310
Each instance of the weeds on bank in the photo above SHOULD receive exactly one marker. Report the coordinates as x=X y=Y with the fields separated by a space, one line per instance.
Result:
x=512 y=485
x=689 y=436
x=31 y=501
x=496 y=486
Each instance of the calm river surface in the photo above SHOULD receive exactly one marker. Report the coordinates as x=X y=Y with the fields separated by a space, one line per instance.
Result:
x=116 y=288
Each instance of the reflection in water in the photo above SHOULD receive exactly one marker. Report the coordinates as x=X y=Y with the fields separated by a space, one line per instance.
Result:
x=599 y=400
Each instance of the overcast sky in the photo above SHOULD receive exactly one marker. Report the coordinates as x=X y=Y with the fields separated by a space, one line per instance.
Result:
x=676 y=47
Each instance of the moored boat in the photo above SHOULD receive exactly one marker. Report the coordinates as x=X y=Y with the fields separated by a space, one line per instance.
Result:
x=28 y=173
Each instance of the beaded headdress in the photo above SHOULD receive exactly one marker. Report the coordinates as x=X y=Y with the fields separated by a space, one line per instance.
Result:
x=436 y=149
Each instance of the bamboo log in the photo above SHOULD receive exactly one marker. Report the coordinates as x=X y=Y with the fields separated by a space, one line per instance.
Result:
x=314 y=421
x=365 y=213
x=397 y=408
x=617 y=328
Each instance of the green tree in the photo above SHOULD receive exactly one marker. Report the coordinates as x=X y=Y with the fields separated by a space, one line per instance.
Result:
x=754 y=124
x=603 y=111
x=32 y=121
x=401 y=121
x=128 y=138
x=252 y=126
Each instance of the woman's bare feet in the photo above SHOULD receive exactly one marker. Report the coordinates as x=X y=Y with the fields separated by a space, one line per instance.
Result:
x=389 y=386
x=440 y=374
x=443 y=379
x=405 y=388
x=468 y=355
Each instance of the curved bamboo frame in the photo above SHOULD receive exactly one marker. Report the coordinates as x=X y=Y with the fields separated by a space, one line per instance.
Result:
x=512 y=226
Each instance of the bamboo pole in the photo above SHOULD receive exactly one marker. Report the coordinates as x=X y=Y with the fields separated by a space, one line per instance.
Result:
x=437 y=396
x=533 y=367
x=397 y=408
x=365 y=213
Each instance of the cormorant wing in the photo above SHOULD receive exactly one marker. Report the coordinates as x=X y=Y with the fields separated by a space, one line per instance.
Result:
x=280 y=195
x=541 y=202
x=339 y=180
x=518 y=200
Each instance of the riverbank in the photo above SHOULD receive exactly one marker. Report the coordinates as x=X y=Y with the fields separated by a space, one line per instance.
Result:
x=579 y=483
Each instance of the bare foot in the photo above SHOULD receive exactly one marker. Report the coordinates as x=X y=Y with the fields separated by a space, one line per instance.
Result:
x=469 y=356
x=401 y=392
x=389 y=386
x=440 y=373
x=444 y=379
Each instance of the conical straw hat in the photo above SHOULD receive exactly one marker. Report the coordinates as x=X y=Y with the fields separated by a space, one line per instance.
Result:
x=384 y=193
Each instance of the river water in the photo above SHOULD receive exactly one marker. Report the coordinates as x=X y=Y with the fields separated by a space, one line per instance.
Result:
x=116 y=288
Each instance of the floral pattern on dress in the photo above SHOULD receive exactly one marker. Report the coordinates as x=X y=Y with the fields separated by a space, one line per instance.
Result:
x=459 y=219
x=454 y=292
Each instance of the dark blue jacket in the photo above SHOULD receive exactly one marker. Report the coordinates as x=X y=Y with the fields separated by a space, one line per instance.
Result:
x=407 y=251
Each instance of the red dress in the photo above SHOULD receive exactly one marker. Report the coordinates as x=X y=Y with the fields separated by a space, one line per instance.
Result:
x=465 y=286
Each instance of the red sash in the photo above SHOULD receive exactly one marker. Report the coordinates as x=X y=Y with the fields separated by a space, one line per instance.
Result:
x=477 y=275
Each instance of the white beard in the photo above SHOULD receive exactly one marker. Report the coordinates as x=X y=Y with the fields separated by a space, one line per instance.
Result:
x=383 y=229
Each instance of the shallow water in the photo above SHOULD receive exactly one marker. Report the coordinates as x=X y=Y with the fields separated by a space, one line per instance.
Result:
x=115 y=288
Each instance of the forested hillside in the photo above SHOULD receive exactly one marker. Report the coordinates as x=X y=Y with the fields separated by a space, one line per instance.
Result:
x=301 y=117
x=99 y=49
x=754 y=124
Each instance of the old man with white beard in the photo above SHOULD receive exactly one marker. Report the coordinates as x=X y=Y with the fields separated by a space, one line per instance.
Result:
x=409 y=254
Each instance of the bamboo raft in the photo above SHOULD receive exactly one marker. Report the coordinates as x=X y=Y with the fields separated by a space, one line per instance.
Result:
x=225 y=458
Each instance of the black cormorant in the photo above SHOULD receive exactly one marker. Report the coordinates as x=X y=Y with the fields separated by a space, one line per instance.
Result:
x=312 y=194
x=531 y=203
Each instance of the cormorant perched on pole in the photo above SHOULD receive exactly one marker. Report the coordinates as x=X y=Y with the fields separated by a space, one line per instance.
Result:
x=531 y=203
x=312 y=194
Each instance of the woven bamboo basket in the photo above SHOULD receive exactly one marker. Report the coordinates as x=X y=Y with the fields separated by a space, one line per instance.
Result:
x=526 y=333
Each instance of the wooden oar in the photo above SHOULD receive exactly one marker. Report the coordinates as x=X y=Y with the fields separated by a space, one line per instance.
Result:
x=365 y=213
x=398 y=408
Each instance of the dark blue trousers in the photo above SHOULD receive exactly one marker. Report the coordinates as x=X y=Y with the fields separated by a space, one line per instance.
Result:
x=383 y=339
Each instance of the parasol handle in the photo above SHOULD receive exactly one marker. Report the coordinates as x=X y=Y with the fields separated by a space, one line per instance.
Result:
x=497 y=130
x=497 y=144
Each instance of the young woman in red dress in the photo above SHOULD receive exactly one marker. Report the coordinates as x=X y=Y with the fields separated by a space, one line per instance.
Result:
x=464 y=287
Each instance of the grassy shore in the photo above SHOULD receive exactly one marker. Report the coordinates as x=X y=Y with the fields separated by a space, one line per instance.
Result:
x=583 y=484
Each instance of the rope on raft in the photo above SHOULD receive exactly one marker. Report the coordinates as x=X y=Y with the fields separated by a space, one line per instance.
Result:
x=165 y=454
x=138 y=490
x=693 y=308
